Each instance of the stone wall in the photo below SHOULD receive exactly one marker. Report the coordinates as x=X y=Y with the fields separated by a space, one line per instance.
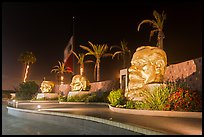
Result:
x=107 y=85
x=189 y=71
x=64 y=88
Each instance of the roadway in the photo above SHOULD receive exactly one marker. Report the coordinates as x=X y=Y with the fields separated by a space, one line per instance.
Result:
x=165 y=125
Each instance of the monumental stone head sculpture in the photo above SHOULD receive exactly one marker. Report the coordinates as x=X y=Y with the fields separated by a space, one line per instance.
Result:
x=148 y=65
x=46 y=86
x=79 y=83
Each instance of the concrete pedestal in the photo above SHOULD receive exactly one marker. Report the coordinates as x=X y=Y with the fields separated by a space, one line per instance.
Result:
x=73 y=93
x=47 y=95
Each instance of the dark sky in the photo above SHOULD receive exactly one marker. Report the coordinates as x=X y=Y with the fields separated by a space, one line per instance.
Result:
x=45 y=29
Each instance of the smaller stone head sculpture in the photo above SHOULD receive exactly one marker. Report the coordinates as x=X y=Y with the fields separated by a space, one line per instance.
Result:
x=147 y=66
x=79 y=83
x=46 y=86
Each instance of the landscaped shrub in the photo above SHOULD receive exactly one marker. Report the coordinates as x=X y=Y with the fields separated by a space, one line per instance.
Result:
x=176 y=96
x=141 y=105
x=27 y=90
x=157 y=99
x=130 y=104
x=98 y=96
x=78 y=98
x=62 y=98
x=184 y=100
x=116 y=97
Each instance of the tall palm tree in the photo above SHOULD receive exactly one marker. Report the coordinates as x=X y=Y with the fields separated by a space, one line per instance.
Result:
x=98 y=51
x=157 y=25
x=81 y=61
x=123 y=51
x=27 y=58
x=60 y=70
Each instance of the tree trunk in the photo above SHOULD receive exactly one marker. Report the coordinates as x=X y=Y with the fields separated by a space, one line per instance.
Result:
x=98 y=71
x=26 y=73
x=82 y=69
x=94 y=72
x=160 y=39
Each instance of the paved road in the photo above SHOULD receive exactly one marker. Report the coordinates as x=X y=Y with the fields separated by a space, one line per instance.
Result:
x=12 y=125
x=167 y=125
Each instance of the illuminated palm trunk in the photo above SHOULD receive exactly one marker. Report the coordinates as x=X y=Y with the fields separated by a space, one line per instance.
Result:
x=160 y=39
x=26 y=73
x=98 y=71
x=82 y=69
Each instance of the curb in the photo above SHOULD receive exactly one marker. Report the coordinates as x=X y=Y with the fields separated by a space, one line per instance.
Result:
x=96 y=103
x=157 y=113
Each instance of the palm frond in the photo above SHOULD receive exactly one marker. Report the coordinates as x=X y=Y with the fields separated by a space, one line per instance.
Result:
x=116 y=53
x=75 y=55
x=87 y=49
x=89 y=61
x=115 y=46
x=157 y=16
x=107 y=55
x=144 y=21
x=152 y=33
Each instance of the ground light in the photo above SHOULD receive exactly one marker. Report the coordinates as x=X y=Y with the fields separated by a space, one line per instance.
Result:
x=14 y=103
x=38 y=107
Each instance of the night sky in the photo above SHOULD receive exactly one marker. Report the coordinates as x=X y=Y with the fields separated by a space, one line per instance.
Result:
x=45 y=29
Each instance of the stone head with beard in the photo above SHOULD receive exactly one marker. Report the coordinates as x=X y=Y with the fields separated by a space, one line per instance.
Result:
x=147 y=66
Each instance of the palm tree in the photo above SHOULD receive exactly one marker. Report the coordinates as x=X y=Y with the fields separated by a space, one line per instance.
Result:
x=81 y=61
x=60 y=70
x=123 y=51
x=27 y=58
x=97 y=51
x=157 y=25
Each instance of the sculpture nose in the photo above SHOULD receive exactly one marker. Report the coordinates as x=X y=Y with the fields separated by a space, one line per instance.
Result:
x=132 y=69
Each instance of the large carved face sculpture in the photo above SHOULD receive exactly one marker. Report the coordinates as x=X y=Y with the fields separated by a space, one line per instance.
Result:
x=147 y=66
x=79 y=83
x=46 y=86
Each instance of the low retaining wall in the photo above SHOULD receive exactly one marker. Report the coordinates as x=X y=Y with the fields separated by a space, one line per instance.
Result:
x=158 y=113
x=63 y=88
x=107 y=85
x=189 y=71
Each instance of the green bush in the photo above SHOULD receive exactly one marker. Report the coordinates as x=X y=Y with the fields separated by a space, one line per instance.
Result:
x=176 y=96
x=27 y=90
x=78 y=98
x=130 y=104
x=98 y=96
x=141 y=105
x=184 y=100
x=62 y=98
x=157 y=99
x=116 y=97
